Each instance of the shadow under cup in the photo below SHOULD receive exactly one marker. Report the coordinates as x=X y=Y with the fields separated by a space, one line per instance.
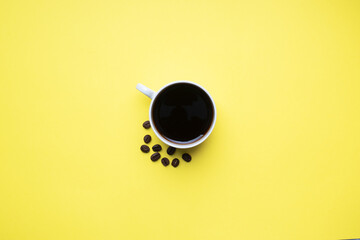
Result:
x=182 y=113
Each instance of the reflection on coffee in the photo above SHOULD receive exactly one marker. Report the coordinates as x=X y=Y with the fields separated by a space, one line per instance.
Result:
x=182 y=113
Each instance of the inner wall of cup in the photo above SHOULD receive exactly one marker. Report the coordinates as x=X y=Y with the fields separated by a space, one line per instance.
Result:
x=171 y=141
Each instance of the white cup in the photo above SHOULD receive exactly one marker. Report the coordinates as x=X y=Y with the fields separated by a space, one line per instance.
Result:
x=152 y=94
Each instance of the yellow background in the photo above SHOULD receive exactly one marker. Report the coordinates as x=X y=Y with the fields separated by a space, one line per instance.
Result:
x=282 y=163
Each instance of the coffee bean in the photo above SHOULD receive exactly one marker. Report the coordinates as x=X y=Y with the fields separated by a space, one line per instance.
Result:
x=156 y=148
x=147 y=138
x=155 y=157
x=146 y=124
x=175 y=162
x=186 y=157
x=165 y=161
x=171 y=150
x=145 y=148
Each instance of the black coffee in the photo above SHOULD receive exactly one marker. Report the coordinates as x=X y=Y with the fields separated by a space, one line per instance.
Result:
x=182 y=113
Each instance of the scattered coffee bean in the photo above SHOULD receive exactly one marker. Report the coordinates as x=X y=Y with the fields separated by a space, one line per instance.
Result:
x=147 y=138
x=146 y=124
x=186 y=157
x=171 y=150
x=155 y=157
x=175 y=162
x=156 y=148
x=165 y=161
x=145 y=148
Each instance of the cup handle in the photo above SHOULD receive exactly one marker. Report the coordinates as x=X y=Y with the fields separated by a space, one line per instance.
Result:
x=145 y=90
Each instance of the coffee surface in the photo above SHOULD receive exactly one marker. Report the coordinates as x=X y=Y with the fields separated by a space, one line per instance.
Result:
x=182 y=113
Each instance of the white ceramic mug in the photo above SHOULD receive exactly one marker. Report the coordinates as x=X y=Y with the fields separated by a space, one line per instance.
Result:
x=152 y=94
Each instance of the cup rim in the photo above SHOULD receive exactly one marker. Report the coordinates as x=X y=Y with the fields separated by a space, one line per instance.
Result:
x=176 y=145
